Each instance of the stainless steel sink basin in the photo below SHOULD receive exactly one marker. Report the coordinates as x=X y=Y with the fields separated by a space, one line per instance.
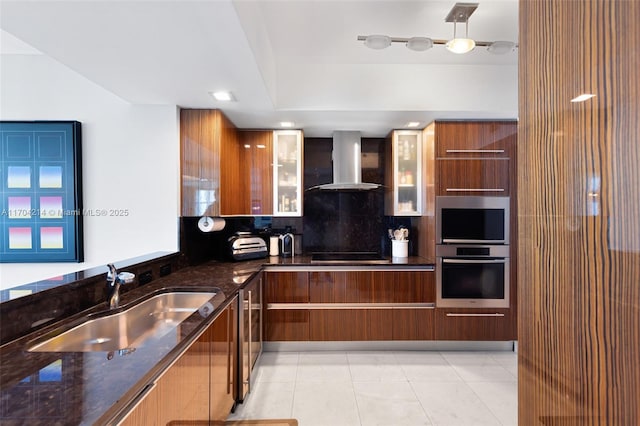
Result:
x=153 y=317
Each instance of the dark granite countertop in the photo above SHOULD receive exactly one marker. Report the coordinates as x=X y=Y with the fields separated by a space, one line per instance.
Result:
x=89 y=387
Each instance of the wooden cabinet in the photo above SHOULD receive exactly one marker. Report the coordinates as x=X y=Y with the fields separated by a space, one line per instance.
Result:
x=475 y=324
x=341 y=311
x=286 y=323
x=211 y=178
x=256 y=160
x=484 y=139
x=403 y=176
x=200 y=385
x=475 y=157
x=409 y=289
x=470 y=158
x=227 y=172
x=250 y=334
x=327 y=305
x=223 y=337
x=473 y=176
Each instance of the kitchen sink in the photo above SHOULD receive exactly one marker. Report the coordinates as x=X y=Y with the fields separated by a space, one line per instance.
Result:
x=151 y=318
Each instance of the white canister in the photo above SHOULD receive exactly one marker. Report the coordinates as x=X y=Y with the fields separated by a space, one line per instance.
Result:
x=399 y=248
x=273 y=246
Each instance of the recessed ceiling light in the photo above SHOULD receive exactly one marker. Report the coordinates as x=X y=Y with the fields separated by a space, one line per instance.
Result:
x=583 y=97
x=286 y=124
x=413 y=124
x=222 y=95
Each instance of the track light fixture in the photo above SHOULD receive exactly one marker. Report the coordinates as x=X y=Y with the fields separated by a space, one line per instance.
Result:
x=460 y=13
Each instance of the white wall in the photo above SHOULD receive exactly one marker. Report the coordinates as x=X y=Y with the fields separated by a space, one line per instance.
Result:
x=130 y=160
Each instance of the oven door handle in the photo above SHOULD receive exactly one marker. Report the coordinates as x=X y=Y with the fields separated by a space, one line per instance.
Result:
x=461 y=241
x=474 y=261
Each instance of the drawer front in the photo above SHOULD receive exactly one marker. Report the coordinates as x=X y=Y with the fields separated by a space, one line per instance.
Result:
x=473 y=177
x=475 y=139
x=475 y=324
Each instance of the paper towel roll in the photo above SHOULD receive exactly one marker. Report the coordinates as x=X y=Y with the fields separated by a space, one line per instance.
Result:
x=210 y=224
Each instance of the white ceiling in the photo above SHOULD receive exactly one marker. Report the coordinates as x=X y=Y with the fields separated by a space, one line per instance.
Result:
x=284 y=60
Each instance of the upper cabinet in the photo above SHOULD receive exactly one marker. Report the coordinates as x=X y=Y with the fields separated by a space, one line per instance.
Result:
x=211 y=180
x=231 y=172
x=287 y=173
x=256 y=162
x=404 y=176
x=475 y=157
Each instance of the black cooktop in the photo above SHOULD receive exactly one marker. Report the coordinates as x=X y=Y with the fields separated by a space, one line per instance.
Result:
x=348 y=257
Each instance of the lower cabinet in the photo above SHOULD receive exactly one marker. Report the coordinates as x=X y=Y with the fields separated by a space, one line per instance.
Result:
x=286 y=289
x=341 y=311
x=199 y=386
x=475 y=324
x=349 y=305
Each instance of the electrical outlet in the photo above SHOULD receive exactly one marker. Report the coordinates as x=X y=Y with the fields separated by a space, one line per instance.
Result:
x=165 y=270
x=145 y=277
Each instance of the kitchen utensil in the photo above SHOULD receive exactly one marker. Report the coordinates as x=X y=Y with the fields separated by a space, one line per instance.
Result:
x=390 y=233
x=397 y=234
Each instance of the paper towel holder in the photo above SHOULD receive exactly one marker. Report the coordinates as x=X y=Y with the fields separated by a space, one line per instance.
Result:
x=210 y=224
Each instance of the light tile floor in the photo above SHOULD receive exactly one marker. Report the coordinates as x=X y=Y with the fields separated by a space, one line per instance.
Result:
x=385 y=388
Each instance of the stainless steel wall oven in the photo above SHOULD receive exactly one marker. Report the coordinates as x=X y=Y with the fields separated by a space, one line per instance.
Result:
x=472 y=252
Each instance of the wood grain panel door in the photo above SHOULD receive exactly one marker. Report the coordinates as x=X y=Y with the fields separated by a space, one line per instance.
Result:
x=199 y=158
x=211 y=179
x=579 y=213
x=286 y=325
x=488 y=177
x=234 y=198
x=475 y=324
x=349 y=324
x=475 y=138
x=256 y=165
x=181 y=393
x=413 y=287
x=223 y=362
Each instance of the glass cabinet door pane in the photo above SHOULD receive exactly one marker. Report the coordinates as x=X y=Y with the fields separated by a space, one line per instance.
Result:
x=287 y=173
x=407 y=167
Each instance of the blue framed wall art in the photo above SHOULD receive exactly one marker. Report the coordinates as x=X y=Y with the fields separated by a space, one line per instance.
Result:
x=41 y=194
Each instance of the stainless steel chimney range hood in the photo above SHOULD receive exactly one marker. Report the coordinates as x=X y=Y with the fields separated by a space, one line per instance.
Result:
x=347 y=167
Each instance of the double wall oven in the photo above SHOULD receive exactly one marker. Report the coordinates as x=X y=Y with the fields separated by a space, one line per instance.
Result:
x=472 y=252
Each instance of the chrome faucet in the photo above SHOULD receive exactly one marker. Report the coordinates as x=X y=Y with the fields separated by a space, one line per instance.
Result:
x=114 y=280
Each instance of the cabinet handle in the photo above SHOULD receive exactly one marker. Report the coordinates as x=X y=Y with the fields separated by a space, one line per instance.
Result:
x=474 y=189
x=333 y=306
x=134 y=403
x=229 y=333
x=462 y=241
x=475 y=151
x=476 y=315
x=474 y=261
x=250 y=343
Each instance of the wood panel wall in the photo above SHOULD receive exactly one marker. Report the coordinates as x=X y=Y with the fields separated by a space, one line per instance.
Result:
x=579 y=213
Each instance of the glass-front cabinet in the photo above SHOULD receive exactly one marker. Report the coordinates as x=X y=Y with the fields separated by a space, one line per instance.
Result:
x=404 y=176
x=287 y=173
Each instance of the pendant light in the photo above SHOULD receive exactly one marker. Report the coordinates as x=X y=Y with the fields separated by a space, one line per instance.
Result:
x=460 y=45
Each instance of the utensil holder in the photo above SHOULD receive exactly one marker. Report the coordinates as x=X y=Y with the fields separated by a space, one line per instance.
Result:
x=399 y=248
